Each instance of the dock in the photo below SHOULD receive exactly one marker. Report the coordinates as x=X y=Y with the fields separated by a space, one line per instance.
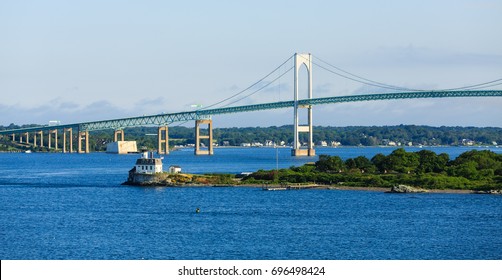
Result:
x=289 y=187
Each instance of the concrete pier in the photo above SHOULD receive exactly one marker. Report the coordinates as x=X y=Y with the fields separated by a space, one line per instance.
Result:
x=116 y=135
x=55 y=133
x=41 y=138
x=163 y=140
x=198 y=137
x=70 y=137
x=83 y=136
x=122 y=147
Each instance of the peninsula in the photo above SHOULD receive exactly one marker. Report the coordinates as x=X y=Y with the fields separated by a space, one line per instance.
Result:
x=402 y=171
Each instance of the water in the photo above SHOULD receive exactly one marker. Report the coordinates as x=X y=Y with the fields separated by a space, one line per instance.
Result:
x=71 y=206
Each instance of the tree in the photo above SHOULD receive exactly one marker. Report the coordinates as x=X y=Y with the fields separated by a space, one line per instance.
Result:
x=380 y=162
x=364 y=164
x=361 y=163
x=431 y=162
x=476 y=165
x=329 y=164
x=401 y=161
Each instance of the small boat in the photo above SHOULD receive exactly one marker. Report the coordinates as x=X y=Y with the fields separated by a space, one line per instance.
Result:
x=27 y=152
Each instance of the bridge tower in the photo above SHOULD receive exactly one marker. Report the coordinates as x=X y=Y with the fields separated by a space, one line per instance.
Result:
x=83 y=136
x=209 y=136
x=302 y=59
x=68 y=131
x=55 y=133
x=163 y=140
x=117 y=133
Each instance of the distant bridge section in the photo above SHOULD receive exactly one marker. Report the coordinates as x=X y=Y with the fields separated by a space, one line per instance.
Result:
x=353 y=98
x=165 y=119
x=202 y=116
x=169 y=118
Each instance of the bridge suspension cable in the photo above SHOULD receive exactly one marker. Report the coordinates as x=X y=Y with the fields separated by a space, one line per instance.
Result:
x=251 y=86
x=479 y=86
x=360 y=79
x=256 y=91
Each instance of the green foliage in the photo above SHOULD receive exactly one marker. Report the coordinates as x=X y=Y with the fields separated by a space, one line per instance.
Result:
x=430 y=162
x=402 y=162
x=329 y=164
x=223 y=179
x=476 y=165
x=426 y=169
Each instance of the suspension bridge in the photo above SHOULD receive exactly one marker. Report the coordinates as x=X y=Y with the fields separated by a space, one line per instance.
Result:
x=203 y=116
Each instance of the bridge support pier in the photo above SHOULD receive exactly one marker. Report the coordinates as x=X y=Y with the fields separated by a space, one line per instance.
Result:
x=70 y=134
x=55 y=132
x=83 y=135
x=300 y=60
x=27 y=135
x=198 y=137
x=117 y=133
x=41 y=138
x=163 y=140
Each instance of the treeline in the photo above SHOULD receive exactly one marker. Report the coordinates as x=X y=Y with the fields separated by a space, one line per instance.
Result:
x=479 y=170
x=348 y=136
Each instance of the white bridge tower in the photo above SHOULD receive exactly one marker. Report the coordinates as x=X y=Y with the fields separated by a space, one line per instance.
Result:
x=302 y=59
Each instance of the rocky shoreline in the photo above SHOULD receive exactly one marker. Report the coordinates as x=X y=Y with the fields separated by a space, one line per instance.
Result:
x=205 y=181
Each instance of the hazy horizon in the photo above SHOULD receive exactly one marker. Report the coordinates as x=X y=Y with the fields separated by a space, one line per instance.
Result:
x=83 y=61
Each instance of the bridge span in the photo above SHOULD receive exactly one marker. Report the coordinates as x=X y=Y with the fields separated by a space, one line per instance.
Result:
x=203 y=117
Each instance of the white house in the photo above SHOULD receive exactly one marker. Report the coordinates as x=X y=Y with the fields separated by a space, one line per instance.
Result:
x=147 y=164
x=322 y=143
x=174 y=169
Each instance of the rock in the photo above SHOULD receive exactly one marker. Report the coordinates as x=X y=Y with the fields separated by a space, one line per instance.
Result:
x=406 y=189
x=499 y=192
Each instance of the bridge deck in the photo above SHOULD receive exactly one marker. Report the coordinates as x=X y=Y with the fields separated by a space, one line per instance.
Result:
x=165 y=119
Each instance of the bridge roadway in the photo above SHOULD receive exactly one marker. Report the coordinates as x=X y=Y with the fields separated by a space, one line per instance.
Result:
x=169 y=118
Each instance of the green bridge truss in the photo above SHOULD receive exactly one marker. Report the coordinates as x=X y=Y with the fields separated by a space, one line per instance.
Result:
x=169 y=118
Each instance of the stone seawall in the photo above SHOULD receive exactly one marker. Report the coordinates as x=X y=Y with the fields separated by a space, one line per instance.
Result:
x=143 y=179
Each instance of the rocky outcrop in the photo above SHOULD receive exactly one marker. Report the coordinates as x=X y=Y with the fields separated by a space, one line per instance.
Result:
x=406 y=189
x=499 y=192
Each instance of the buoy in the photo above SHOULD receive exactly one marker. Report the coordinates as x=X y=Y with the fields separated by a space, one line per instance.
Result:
x=197 y=210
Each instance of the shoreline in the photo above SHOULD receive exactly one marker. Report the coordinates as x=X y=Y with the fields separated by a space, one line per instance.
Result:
x=309 y=187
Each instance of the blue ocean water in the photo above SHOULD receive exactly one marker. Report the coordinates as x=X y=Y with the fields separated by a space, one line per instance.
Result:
x=72 y=206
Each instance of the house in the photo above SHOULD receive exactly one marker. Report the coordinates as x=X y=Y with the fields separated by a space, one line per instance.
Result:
x=322 y=143
x=468 y=142
x=147 y=164
x=174 y=169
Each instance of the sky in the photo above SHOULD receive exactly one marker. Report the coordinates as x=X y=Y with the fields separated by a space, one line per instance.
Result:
x=76 y=61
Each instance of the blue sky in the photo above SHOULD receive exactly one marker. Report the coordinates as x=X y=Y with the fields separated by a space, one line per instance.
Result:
x=79 y=61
